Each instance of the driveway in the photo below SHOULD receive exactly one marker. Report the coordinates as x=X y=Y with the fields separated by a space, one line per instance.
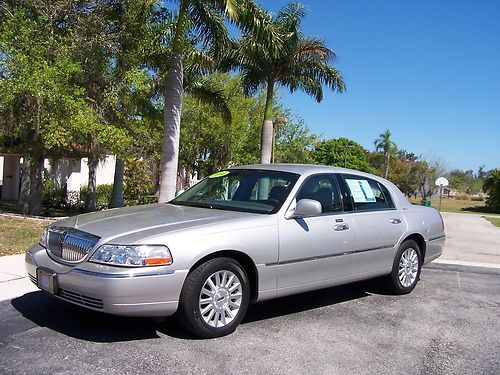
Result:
x=470 y=238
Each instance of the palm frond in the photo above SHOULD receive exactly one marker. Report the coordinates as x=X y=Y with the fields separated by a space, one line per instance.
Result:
x=206 y=90
x=208 y=23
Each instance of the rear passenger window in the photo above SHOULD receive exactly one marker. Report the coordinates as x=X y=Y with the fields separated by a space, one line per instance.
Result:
x=367 y=194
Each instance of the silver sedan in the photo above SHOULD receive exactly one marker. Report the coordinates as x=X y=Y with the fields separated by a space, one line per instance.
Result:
x=242 y=235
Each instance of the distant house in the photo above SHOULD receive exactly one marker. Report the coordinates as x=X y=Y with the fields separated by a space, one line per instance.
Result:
x=72 y=173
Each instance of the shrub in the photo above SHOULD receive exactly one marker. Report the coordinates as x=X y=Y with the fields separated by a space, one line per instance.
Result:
x=492 y=187
x=103 y=195
x=477 y=199
x=53 y=196
x=138 y=181
x=463 y=197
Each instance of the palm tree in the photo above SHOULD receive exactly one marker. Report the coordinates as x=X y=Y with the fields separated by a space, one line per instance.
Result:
x=195 y=23
x=385 y=144
x=302 y=63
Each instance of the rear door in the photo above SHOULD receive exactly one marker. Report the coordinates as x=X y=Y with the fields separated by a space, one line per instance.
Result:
x=379 y=225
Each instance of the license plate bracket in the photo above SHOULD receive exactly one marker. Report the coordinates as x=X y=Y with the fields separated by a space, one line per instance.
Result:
x=46 y=280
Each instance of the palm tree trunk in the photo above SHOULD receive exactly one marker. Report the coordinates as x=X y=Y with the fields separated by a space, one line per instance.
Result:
x=171 y=133
x=266 y=140
x=386 y=167
x=117 y=197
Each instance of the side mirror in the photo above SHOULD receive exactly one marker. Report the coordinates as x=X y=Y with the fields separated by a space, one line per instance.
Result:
x=305 y=208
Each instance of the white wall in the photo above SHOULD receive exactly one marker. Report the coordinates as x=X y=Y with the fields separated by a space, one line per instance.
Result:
x=75 y=172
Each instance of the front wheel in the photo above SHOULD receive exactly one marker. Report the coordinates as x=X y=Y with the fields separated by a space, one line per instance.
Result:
x=214 y=298
x=406 y=268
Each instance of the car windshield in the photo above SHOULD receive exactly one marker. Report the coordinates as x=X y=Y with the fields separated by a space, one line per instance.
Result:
x=245 y=190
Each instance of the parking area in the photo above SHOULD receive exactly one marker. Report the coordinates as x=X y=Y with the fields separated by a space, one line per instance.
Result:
x=449 y=324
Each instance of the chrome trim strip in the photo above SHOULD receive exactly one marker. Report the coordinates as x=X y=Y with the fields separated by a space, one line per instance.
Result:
x=436 y=238
x=327 y=256
x=121 y=275
x=372 y=249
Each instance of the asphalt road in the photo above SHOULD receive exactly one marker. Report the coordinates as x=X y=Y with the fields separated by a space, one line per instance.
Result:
x=449 y=324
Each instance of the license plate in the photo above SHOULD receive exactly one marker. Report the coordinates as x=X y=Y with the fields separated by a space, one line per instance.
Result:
x=47 y=280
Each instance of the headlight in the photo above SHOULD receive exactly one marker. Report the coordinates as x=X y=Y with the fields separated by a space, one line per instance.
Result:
x=44 y=237
x=133 y=256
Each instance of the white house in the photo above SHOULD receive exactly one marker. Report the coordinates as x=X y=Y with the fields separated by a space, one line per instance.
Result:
x=72 y=172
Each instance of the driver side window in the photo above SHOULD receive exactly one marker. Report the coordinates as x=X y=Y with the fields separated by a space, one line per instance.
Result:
x=321 y=188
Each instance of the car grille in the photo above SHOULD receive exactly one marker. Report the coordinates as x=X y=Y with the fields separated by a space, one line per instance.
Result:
x=80 y=299
x=69 y=245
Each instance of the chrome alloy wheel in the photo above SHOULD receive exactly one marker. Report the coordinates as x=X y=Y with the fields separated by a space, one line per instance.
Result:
x=220 y=298
x=408 y=267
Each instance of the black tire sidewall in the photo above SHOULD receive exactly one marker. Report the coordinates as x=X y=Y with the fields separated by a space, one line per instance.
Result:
x=189 y=301
x=396 y=285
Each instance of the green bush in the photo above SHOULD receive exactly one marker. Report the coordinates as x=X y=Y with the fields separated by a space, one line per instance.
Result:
x=492 y=187
x=138 y=179
x=53 y=196
x=103 y=195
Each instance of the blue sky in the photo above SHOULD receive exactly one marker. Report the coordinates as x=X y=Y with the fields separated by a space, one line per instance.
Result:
x=427 y=70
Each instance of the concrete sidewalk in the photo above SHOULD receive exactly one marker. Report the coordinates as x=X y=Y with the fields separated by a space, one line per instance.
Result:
x=14 y=281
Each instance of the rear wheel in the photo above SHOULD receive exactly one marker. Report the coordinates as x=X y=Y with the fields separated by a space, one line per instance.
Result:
x=406 y=268
x=214 y=298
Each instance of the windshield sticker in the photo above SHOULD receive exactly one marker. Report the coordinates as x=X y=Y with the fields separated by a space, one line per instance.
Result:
x=361 y=191
x=219 y=174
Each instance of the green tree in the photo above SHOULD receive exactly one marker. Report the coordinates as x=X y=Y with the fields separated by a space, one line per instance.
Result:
x=492 y=187
x=294 y=141
x=342 y=152
x=302 y=63
x=37 y=85
x=385 y=144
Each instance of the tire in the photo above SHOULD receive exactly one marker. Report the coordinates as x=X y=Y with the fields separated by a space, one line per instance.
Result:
x=406 y=268
x=214 y=298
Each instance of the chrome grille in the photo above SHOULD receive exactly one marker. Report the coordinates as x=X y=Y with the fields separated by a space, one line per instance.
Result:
x=69 y=245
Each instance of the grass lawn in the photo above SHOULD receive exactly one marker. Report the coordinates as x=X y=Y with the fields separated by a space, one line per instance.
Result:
x=459 y=206
x=494 y=220
x=17 y=234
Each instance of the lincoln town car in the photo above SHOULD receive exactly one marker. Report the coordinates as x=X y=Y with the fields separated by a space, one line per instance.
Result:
x=242 y=235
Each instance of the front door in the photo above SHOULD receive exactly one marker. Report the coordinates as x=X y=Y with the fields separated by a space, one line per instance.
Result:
x=314 y=250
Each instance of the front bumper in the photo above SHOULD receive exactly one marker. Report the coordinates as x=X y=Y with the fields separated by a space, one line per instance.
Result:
x=148 y=291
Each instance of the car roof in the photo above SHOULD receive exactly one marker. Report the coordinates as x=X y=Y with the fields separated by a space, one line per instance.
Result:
x=300 y=168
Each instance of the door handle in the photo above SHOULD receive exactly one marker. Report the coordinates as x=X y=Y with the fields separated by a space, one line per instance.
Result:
x=340 y=227
x=395 y=220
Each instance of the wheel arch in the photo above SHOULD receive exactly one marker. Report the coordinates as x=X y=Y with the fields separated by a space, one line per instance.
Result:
x=419 y=239
x=246 y=262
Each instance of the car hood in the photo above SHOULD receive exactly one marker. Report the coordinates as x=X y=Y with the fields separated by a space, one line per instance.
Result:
x=138 y=222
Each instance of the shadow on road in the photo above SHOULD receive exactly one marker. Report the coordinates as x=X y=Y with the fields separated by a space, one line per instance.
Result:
x=45 y=310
